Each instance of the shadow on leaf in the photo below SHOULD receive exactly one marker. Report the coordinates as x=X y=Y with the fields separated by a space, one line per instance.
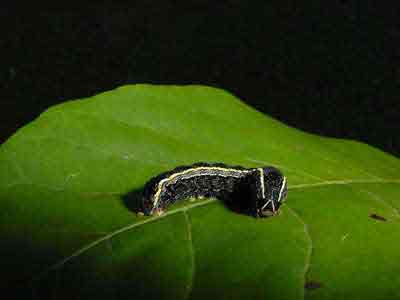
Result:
x=133 y=200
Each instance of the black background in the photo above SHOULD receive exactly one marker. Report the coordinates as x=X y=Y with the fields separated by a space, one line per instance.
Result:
x=329 y=67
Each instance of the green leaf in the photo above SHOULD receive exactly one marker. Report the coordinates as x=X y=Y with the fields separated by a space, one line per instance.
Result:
x=67 y=181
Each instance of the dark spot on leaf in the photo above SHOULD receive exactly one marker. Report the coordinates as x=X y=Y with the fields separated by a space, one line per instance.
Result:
x=377 y=217
x=312 y=285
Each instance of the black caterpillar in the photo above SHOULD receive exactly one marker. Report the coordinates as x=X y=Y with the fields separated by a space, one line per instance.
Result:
x=256 y=191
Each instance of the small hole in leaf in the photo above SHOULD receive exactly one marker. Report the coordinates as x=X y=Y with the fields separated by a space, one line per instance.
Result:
x=312 y=285
x=377 y=217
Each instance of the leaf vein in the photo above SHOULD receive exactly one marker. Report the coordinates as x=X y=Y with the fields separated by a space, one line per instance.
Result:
x=191 y=253
x=105 y=238
x=307 y=261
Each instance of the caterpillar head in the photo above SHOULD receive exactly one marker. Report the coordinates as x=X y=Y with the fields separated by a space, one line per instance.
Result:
x=274 y=191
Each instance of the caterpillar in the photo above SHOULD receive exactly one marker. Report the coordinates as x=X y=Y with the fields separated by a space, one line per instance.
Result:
x=255 y=191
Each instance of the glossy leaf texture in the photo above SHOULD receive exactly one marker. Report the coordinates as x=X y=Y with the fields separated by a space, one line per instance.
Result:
x=68 y=181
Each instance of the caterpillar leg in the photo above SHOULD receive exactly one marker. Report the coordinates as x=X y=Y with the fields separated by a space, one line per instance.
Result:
x=159 y=212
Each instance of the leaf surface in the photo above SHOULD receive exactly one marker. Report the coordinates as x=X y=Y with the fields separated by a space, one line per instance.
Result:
x=67 y=181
